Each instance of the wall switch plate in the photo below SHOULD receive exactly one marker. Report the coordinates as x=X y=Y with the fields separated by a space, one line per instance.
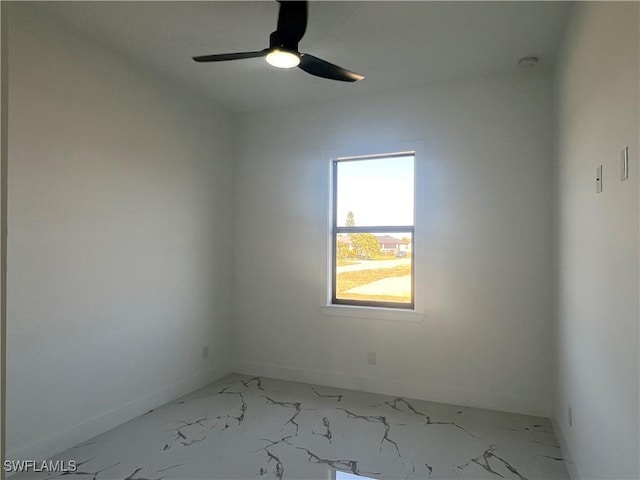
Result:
x=205 y=352
x=569 y=416
x=371 y=358
x=624 y=164
x=599 y=179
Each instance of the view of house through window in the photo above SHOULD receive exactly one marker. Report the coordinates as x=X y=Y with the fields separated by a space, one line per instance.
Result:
x=373 y=229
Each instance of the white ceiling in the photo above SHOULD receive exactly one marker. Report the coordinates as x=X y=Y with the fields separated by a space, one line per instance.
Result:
x=394 y=44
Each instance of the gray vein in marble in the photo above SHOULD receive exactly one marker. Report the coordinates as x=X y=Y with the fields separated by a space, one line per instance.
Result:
x=256 y=379
x=85 y=444
x=173 y=466
x=483 y=461
x=295 y=405
x=275 y=442
x=376 y=419
x=455 y=425
x=558 y=459
x=95 y=474
x=320 y=395
x=131 y=477
x=394 y=404
x=344 y=465
x=77 y=472
x=279 y=468
x=510 y=468
x=279 y=472
x=79 y=464
x=188 y=424
x=224 y=390
x=243 y=409
x=413 y=470
x=182 y=438
x=191 y=442
x=328 y=435
x=429 y=467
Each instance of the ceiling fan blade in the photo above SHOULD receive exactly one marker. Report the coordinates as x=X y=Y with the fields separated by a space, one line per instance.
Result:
x=222 y=57
x=321 y=68
x=292 y=20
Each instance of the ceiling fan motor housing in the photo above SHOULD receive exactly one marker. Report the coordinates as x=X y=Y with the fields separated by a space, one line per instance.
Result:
x=279 y=41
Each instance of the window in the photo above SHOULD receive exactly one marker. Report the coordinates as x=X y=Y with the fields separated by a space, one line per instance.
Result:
x=373 y=231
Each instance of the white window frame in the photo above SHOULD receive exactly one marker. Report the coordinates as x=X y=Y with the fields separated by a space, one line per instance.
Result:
x=415 y=314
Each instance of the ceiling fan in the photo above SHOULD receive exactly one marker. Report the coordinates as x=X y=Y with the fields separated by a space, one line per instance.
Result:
x=283 y=47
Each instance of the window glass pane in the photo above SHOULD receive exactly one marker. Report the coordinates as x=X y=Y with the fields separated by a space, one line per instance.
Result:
x=375 y=191
x=339 y=475
x=374 y=267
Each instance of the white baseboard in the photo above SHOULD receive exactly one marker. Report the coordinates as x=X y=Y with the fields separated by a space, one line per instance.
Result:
x=61 y=441
x=567 y=453
x=388 y=386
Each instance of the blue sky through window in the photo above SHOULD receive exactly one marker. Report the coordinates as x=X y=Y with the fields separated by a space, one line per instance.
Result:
x=378 y=191
x=349 y=476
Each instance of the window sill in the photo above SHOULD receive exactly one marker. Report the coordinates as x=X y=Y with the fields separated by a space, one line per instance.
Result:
x=375 y=313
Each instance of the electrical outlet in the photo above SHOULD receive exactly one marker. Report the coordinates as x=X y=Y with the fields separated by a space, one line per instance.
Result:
x=205 y=352
x=570 y=415
x=371 y=358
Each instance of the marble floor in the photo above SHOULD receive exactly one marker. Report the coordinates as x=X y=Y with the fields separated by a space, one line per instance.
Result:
x=258 y=428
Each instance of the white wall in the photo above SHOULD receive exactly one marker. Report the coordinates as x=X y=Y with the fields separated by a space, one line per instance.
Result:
x=3 y=222
x=119 y=239
x=597 y=333
x=485 y=340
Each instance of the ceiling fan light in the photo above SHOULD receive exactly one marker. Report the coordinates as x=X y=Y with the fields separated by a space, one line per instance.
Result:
x=283 y=59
